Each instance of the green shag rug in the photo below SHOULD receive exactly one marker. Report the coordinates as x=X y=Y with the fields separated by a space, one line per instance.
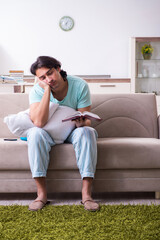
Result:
x=112 y=222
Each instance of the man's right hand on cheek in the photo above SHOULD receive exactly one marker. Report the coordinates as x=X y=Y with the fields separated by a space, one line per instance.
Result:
x=43 y=84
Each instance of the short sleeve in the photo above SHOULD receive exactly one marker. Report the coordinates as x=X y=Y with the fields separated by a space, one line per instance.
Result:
x=35 y=94
x=84 y=98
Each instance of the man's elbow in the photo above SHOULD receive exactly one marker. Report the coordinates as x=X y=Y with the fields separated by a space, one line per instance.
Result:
x=39 y=124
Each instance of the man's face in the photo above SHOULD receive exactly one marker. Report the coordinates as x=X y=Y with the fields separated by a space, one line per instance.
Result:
x=51 y=76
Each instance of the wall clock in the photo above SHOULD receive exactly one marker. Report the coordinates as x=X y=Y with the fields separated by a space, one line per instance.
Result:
x=66 y=23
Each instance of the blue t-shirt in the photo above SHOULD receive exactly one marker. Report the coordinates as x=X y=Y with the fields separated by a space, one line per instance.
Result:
x=78 y=95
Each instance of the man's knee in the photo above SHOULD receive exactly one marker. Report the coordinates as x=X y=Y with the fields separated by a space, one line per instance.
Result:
x=86 y=132
x=35 y=134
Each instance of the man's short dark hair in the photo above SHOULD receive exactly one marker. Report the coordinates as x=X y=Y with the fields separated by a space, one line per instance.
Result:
x=48 y=62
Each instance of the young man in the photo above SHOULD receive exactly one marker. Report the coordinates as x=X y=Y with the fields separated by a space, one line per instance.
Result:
x=54 y=85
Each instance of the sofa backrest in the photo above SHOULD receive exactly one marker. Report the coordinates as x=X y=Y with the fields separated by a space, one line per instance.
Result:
x=11 y=103
x=126 y=115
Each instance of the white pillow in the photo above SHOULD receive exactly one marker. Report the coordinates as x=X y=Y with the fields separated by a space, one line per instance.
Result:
x=19 y=123
x=57 y=129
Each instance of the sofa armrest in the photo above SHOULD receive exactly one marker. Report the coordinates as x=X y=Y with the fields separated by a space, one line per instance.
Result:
x=159 y=126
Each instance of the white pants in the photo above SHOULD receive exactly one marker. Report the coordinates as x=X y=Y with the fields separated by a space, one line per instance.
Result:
x=84 y=143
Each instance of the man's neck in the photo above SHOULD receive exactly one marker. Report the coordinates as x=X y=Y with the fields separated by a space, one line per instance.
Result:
x=60 y=94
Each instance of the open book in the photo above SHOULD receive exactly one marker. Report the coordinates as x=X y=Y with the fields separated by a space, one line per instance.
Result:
x=85 y=114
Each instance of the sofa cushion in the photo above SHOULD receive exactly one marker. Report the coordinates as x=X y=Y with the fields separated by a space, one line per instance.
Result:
x=128 y=153
x=14 y=155
x=113 y=153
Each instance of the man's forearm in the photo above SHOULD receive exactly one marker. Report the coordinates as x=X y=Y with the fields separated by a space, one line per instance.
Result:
x=39 y=114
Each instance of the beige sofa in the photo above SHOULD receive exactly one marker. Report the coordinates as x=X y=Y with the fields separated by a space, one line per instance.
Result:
x=128 y=148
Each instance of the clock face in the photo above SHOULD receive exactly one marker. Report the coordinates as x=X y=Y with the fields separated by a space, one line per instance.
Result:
x=66 y=23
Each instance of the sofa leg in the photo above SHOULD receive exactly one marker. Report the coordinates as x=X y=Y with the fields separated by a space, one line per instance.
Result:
x=157 y=195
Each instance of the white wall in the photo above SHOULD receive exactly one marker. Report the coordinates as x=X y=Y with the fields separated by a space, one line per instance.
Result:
x=98 y=44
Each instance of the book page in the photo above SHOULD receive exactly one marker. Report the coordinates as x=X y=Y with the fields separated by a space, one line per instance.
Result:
x=91 y=115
